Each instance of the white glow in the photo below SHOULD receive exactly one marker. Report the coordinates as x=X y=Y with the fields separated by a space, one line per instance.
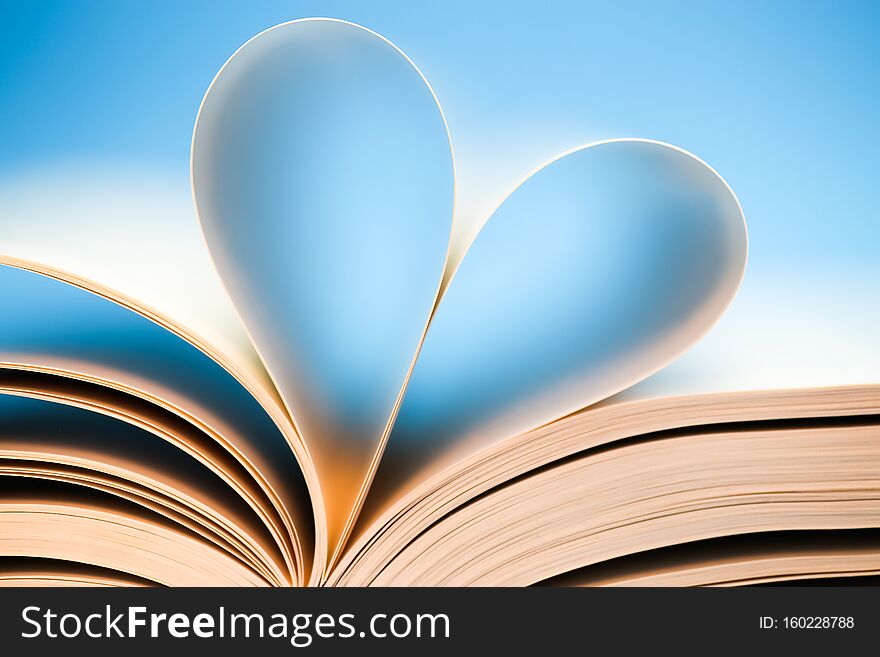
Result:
x=129 y=229
x=791 y=330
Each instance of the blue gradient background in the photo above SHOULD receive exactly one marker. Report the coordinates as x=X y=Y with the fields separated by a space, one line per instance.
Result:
x=781 y=98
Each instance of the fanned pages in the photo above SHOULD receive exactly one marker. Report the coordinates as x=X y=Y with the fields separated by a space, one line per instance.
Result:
x=312 y=391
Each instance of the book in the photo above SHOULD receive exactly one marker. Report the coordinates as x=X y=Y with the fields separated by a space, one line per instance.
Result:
x=312 y=382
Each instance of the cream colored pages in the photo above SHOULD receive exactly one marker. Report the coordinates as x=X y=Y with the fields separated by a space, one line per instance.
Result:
x=113 y=527
x=181 y=518
x=25 y=410
x=131 y=236
x=741 y=560
x=412 y=495
x=61 y=443
x=118 y=538
x=643 y=496
x=44 y=572
x=770 y=344
x=58 y=330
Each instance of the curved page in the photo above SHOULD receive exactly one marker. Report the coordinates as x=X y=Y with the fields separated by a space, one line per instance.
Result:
x=322 y=174
x=54 y=327
x=57 y=441
x=596 y=271
x=131 y=232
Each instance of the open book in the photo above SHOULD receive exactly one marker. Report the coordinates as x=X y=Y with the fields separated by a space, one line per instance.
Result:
x=314 y=384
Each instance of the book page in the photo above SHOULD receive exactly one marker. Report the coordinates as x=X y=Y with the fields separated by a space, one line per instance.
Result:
x=55 y=329
x=599 y=269
x=129 y=231
x=50 y=440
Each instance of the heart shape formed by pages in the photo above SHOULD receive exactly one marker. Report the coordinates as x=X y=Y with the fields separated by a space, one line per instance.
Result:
x=598 y=270
x=323 y=178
